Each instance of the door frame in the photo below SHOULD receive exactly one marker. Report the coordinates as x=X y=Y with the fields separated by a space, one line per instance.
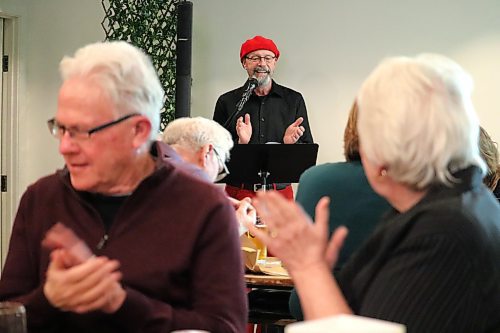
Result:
x=9 y=134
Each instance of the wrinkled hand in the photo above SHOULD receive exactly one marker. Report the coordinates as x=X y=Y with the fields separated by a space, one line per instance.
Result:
x=294 y=131
x=61 y=237
x=90 y=286
x=245 y=213
x=293 y=237
x=244 y=129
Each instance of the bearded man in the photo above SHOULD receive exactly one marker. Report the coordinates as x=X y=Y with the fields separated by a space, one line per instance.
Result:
x=268 y=113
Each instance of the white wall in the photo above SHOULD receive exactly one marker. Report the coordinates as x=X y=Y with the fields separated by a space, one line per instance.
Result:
x=48 y=30
x=327 y=46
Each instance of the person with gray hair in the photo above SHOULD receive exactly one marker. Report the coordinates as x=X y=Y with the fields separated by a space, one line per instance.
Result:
x=433 y=265
x=141 y=258
x=202 y=142
x=206 y=144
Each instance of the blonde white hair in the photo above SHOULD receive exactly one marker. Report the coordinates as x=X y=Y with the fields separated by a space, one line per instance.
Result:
x=194 y=133
x=416 y=119
x=125 y=72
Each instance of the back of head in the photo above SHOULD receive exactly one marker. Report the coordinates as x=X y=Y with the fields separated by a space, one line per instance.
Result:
x=489 y=152
x=417 y=120
x=193 y=133
x=125 y=73
x=351 y=139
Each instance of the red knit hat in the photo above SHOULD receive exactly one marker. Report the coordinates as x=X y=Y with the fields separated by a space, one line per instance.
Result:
x=258 y=43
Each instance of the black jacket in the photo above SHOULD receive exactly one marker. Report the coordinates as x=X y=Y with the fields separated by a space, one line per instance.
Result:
x=436 y=267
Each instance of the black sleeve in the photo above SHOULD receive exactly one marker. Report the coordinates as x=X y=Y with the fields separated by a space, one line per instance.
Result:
x=429 y=286
x=222 y=113
x=302 y=112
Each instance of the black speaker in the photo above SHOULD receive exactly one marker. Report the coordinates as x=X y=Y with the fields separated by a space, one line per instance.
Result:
x=183 y=59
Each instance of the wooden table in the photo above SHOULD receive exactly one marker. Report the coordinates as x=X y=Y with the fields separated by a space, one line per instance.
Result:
x=254 y=280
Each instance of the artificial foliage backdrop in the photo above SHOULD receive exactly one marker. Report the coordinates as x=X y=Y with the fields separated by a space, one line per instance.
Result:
x=150 y=25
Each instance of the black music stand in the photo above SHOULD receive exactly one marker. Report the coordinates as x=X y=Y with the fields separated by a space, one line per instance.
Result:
x=270 y=163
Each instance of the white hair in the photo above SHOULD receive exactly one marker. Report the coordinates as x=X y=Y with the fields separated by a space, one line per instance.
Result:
x=417 y=120
x=125 y=72
x=194 y=133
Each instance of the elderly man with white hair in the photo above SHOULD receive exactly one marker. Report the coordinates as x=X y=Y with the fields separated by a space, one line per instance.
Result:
x=206 y=144
x=201 y=142
x=156 y=233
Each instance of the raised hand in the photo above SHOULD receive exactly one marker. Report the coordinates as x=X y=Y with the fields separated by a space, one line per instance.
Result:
x=292 y=236
x=294 y=131
x=304 y=249
x=244 y=129
x=61 y=237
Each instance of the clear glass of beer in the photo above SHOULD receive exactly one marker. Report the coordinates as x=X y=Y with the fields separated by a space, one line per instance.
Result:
x=258 y=244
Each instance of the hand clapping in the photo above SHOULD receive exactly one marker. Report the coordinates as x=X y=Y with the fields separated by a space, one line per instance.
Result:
x=294 y=131
x=292 y=236
x=244 y=129
x=92 y=285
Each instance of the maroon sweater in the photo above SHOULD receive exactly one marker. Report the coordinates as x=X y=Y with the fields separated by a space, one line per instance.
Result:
x=176 y=239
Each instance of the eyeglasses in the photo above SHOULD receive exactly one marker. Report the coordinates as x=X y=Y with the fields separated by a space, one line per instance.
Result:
x=256 y=59
x=223 y=171
x=58 y=130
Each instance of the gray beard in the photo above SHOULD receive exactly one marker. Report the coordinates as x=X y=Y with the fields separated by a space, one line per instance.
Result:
x=264 y=81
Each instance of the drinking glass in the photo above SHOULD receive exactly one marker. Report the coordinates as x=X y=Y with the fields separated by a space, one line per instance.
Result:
x=258 y=243
x=12 y=317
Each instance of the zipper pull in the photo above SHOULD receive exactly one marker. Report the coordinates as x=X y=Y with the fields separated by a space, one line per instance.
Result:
x=102 y=242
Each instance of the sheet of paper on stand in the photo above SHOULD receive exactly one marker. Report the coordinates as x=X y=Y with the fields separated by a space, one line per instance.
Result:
x=345 y=324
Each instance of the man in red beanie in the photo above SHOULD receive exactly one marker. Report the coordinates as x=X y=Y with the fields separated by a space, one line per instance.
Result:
x=261 y=110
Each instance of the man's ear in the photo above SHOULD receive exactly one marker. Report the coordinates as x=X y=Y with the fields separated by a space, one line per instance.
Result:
x=141 y=131
x=203 y=153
